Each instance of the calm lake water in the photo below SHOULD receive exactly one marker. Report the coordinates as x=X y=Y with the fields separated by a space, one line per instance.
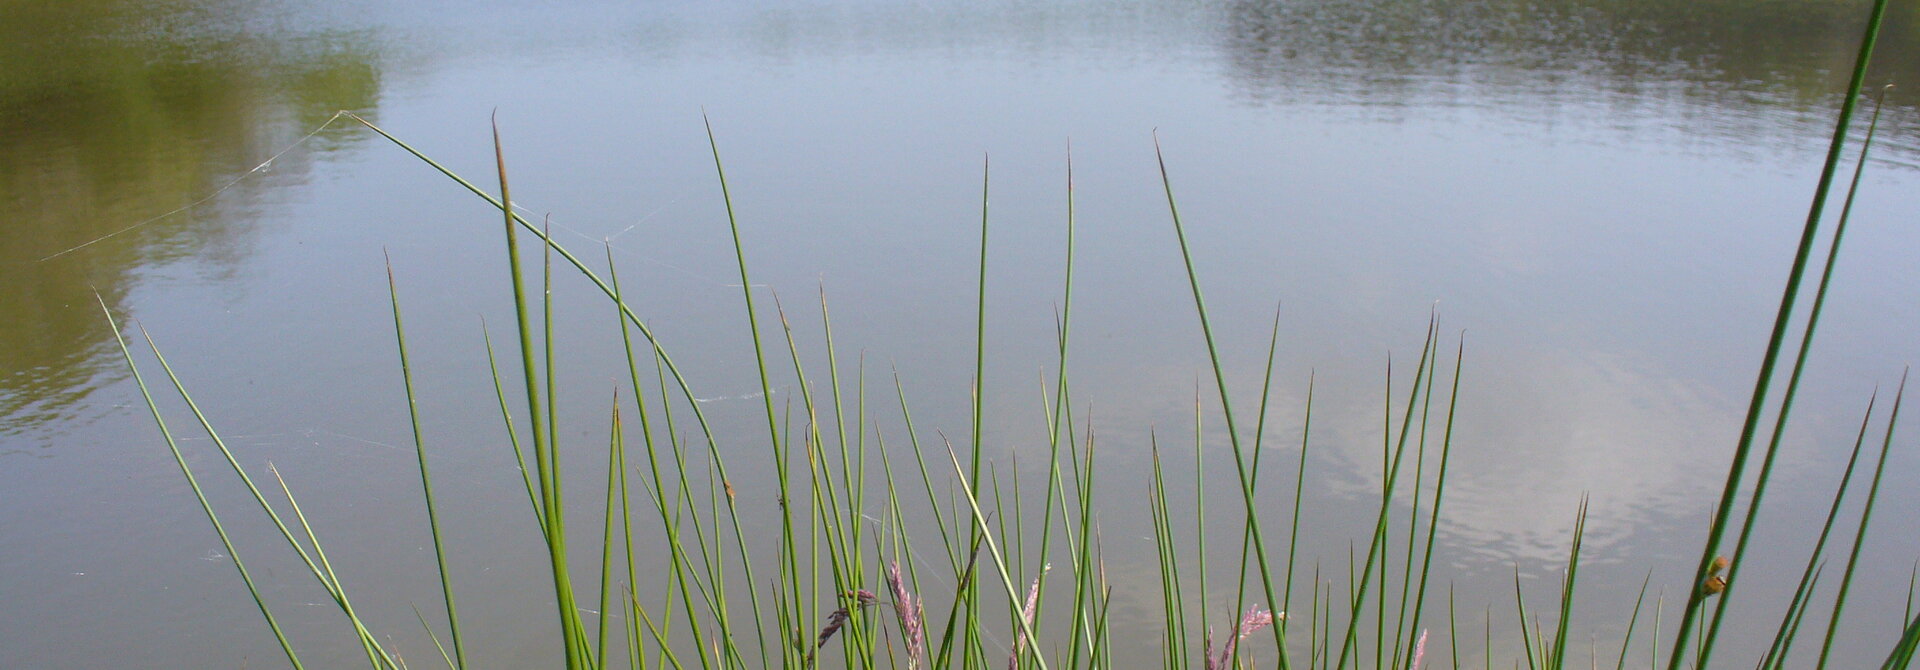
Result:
x=1604 y=195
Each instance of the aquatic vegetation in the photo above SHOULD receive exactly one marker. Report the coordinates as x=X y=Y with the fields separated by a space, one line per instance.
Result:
x=981 y=580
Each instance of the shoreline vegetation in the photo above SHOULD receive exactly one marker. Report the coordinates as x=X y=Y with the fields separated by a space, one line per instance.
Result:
x=1002 y=578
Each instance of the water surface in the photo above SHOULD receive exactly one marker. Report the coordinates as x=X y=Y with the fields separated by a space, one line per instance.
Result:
x=1603 y=195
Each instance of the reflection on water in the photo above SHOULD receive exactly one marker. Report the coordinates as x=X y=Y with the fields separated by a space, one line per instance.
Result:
x=1736 y=72
x=116 y=112
x=1605 y=306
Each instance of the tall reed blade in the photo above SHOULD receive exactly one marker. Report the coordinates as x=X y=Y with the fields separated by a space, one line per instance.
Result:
x=537 y=426
x=1562 y=633
x=1737 y=469
x=198 y=494
x=994 y=552
x=788 y=550
x=1376 y=546
x=1226 y=405
x=1866 y=517
x=1793 y=377
x=1439 y=486
x=1804 y=590
x=1626 y=642
x=426 y=480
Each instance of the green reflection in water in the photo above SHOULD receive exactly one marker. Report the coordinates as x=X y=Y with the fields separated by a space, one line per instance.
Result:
x=115 y=111
x=1765 y=71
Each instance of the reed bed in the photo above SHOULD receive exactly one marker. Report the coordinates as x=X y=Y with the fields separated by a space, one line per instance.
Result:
x=1000 y=577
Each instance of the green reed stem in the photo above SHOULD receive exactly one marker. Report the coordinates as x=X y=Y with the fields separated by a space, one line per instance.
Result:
x=1866 y=516
x=1737 y=469
x=426 y=480
x=1804 y=590
x=1226 y=405
x=1439 y=492
x=193 y=483
x=1793 y=377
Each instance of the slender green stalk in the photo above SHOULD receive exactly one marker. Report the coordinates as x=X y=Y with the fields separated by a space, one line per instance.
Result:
x=1246 y=537
x=1804 y=590
x=1200 y=513
x=1439 y=491
x=1402 y=634
x=426 y=480
x=1737 y=470
x=1526 y=640
x=1299 y=490
x=1561 y=633
x=677 y=556
x=994 y=552
x=332 y=580
x=636 y=658
x=980 y=329
x=1055 y=487
x=1377 y=545
x=198 y=494
x=1796 y=616
x=1084 y=585
x=555 y=527
x=1903 y=651
x=1170 y=597
x=1453 y=631
x=1866 y=517
x=614 y=442
x=444 y=656
x=789 y=553
x=1313 y=621
x=679 y=379
x=315 y=568
x=1627 y=641
x=1793 y=377
x=1226 y=405
x=513 y=438
x=971 y=596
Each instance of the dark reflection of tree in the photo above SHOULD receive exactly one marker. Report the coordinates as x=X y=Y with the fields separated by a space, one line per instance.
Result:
x=114 y=111
x=1743 y=70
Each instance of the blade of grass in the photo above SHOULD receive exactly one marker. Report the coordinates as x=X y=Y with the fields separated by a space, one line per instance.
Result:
x=1737 y=469
x=1226 y=405
x=1796 y=616
x=1055 y=487
x=1793 y=377
x=994 y=552
x=1439 y=489
x=1377 y=545
x=513 y=438
x=1562 y=632
x=1627 y=641
x=1299 y=490
x=554 y=527
x=1903 y=651
x=679 y=379
x=1453 y=629
x=426 y=480
x=1804 y=590
x=194 y=483
x=435 y=638
x=1866 y=516
x=1200 y=510
x=614 y=447
x=233 y=463
x=1246 y=537
x=677 y=555
x=789 y=552
x=332 y=580
x=1526 y=640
